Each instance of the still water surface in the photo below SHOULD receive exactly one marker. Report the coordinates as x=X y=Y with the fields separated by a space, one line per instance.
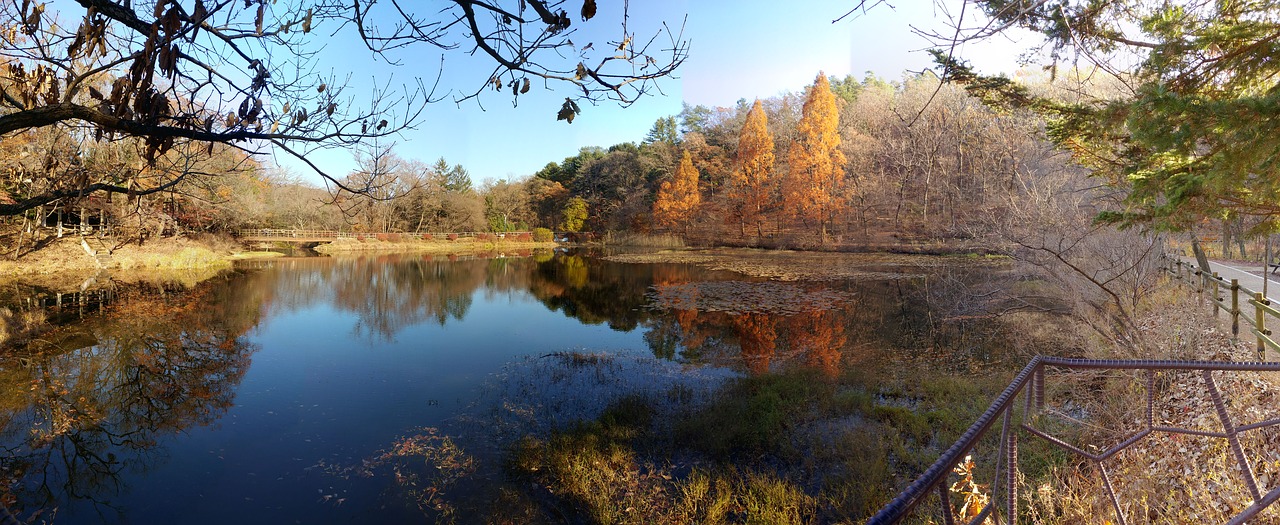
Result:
x=255 y=396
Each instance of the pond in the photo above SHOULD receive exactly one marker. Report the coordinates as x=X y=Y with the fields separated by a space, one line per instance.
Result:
x=283 y=391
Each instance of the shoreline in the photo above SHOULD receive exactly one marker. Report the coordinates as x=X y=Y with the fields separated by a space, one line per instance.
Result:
x=64 y=260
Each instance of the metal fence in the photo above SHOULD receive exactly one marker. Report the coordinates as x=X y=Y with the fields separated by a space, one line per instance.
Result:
x=1030 y=385
x=1015 y=421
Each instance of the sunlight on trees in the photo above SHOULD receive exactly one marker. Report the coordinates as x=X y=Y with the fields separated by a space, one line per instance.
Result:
x=679 y=197
x=574 y=215
x=814 y=186
x=752 y=190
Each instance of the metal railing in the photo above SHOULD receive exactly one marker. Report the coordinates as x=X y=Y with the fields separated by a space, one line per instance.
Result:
x=1216 y=286
x=1030 y=383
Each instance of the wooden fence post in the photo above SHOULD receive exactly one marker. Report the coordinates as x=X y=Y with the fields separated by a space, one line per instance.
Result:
x=1216 y=297
x=1235 y=310
x=1200 y=286
x=1258 y=317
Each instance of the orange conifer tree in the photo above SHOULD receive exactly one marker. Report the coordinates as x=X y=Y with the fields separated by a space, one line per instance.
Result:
x=814 y=188
x=751 y=190
x=679 y=197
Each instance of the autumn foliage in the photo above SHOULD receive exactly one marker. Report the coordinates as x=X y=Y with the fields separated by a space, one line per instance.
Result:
x=814 y=188
x=679 y=197
x=752 y=185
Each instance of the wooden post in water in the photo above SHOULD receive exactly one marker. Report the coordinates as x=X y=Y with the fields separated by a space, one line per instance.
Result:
x=1235 y=310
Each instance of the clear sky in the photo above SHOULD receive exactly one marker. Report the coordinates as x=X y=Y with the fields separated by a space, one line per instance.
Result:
x=739 y=49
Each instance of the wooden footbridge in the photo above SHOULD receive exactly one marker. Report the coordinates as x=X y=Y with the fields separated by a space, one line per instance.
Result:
x=318 y=236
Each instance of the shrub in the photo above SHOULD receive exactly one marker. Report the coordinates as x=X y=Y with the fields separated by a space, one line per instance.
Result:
x=542 y=235
x=524 y=237
x=360 y=237
x=426 y=236
x=452 y=236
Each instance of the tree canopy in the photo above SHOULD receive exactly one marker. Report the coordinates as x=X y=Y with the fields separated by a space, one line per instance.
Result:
x=163 y=72
x=815 y=183
x=1192 y=130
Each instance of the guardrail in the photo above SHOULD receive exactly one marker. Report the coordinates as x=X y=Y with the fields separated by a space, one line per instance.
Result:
x=1189 y=274
x=1030 y=383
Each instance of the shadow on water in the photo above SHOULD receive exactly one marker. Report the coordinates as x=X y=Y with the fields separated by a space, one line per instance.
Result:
x=92 y=406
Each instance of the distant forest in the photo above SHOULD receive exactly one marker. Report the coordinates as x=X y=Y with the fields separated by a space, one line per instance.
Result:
x=845 y=161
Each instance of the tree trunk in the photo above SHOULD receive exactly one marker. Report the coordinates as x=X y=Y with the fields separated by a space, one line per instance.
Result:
x=1201 y=258
x=1226 y=239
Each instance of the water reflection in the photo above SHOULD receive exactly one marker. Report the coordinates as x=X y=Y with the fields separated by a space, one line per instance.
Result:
x=88 y=403
x=97 y=405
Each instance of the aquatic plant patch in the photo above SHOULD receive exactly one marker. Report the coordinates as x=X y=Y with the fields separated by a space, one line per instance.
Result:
x=738 y=297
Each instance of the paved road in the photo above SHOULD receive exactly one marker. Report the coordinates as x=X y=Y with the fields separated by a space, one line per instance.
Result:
x=1246 y=279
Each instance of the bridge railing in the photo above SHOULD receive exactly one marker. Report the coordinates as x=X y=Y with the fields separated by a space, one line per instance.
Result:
x=1016 y=419
x=276 y=233
x=1220 y=292
x=271 y=233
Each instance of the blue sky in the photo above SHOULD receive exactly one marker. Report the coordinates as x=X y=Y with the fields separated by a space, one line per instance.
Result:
x=739 y=49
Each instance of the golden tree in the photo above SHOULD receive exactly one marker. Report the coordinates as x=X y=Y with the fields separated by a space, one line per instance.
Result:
x=678 y=197
x=814 y=187
x=751 y=188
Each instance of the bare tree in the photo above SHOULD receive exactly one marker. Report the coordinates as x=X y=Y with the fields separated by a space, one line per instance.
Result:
x=246 y=73
x=1106 y=271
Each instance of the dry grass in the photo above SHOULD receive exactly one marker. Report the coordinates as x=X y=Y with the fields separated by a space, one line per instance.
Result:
x=595 y=470
x=1164 y=478
x=640 y=240
x=66 y=259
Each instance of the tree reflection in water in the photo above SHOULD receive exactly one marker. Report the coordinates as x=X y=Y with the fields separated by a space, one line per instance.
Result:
x=94 y=400
x=94 y=403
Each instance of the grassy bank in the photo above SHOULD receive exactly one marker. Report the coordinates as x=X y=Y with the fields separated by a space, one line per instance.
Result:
x=65 y=257
x=66 y=260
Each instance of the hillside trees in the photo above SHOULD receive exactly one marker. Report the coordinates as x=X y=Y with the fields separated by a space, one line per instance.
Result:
x=506 y=206
x=574 y=215
x=920 y=163
x=242 y=74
